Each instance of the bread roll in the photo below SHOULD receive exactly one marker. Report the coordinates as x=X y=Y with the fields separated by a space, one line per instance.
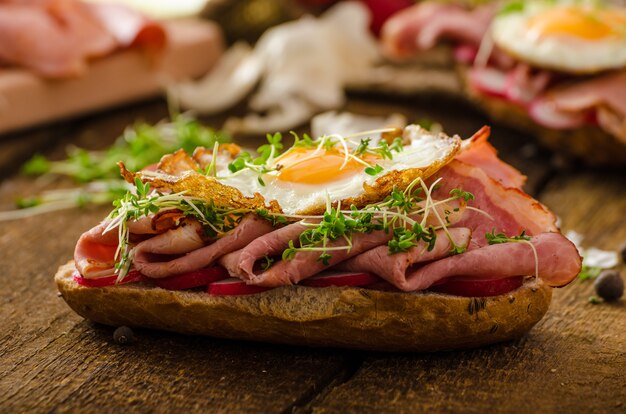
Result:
x=328 y=317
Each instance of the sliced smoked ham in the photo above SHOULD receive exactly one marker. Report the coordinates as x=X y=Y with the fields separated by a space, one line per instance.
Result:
x=420 y=27
x=609 y=89
x=271 y=244
x=95 y=250
x=55 y=38
x=506 y=210
x=153 y=257
x=94 y=253
x=307 y=263
x=395 y=268
x=480 y=153
x=558 y=263
x=128 y=27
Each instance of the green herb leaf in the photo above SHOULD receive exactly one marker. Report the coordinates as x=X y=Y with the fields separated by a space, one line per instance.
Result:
x=516 y=6
x=493 y=238
x=37 y=165
x=589 y=272
x=375 y=170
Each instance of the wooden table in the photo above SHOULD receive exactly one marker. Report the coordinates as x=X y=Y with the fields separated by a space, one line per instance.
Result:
x=574 y=360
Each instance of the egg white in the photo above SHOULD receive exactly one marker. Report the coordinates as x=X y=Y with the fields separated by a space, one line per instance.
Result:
x=564 y=53
x=422 y=149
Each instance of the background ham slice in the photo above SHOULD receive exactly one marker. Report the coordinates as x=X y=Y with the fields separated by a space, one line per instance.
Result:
x=420 y=27
x=55 y=38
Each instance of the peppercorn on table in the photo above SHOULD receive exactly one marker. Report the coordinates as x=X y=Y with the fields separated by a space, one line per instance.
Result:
x=52 y=360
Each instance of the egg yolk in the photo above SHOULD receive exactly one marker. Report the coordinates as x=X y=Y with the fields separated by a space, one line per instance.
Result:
x=585 y=23
x=302 y=165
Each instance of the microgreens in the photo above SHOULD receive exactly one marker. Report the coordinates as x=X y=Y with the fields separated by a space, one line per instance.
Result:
x=260 y=165
x=493 y=238
x=270 y=151
x=397 y=214
x=498 y=238
x=267 y=263
x=589 y=272
x=515 y=6
x=132 y=206
x=375 y=170
x=304 y=142
x=97 y=171
x=139 y=146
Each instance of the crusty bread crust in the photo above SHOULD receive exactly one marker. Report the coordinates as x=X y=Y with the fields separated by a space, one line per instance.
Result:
x=589 y=143
x=328 y=317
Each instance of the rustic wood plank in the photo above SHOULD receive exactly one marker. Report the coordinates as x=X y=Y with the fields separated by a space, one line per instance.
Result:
x=572 y=361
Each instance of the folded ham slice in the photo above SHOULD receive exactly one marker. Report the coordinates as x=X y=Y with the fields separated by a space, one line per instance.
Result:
x=95 y=250
x=186 y=241
x=606 y=94
x=395 y=268
x=506 y=210
x=478 y=152
x=420 y=27
x=307 y=263
x=94 y=253
x=558 y=263
x=271 y=244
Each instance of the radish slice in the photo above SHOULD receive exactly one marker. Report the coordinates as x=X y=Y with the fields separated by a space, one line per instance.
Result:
x=522 y=86
x=465 y=54
x=132 y=277
x=478 y=288
x=544 y=112
x=340 y=279
x=490 y=81
x=234 y=287
x=200 y=277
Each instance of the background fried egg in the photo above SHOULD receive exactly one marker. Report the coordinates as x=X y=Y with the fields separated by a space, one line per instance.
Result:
x=568 y=36
x=306 y=177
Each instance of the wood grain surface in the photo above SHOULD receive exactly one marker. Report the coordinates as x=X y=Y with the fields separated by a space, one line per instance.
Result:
x=53 y=361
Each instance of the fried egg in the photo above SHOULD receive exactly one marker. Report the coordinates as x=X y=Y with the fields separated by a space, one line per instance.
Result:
x=568 y=36
x=303 y=179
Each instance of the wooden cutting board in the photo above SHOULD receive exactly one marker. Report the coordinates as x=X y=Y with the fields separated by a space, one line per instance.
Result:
x=27 y=100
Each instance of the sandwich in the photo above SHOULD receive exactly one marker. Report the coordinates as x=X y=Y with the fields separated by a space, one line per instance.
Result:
x=554 y=68
x=397 y=239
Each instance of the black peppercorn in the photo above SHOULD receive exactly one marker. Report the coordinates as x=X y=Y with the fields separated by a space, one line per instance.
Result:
x=123 y=335
x=609 y=285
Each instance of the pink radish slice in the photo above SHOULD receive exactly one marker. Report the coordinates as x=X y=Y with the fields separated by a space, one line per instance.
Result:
x=131 y=277
x=200 y=277
x=465 y=54
x=517 y=87
x=340 y=279
x=234 y=287
x=489 y=81
x=545 y=113
x=522 y=86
